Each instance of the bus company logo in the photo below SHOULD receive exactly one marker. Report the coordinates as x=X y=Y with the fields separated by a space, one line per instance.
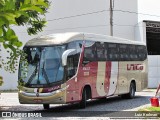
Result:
x=54 y=88
x=135 y=67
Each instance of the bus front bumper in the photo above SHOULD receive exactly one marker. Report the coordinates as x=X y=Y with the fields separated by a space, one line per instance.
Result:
x=55 y=97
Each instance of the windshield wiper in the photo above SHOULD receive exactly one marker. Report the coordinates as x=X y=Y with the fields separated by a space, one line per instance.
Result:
x=45 y=74
x=32 y=75
x=57 y=71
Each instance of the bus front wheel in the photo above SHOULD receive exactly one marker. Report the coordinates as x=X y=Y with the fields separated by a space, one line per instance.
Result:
x=46 y=106
x=82 y=104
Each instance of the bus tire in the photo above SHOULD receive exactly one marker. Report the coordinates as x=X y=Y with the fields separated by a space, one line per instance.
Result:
x=131 y=93
x=132 y=90
x=82 y=104
x=46 y=106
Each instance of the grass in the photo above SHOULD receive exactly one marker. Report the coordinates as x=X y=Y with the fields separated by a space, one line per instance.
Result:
x=150 y=90
x=151 y=110
x=155 y=109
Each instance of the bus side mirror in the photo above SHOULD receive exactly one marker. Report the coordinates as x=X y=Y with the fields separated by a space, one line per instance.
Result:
x=65 y=55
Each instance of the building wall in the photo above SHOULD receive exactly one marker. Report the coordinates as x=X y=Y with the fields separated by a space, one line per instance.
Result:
x=81 y=16
x=149 y=10
x=153 y=60
x=124 y=22
x=140 y=32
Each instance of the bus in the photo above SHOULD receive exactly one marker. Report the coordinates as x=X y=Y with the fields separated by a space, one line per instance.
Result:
x=74 y=67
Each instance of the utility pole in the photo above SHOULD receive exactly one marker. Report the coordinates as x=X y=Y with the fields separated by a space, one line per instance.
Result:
x=111 y=18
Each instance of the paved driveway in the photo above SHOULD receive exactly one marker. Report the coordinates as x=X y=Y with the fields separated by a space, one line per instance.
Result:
x=9 y=102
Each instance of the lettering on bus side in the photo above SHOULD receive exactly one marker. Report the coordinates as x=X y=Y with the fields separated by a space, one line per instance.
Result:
x=86 y=71
x=86 y=68
x=135 y=67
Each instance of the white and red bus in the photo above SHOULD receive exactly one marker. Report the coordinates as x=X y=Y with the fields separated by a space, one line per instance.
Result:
x=75 y=67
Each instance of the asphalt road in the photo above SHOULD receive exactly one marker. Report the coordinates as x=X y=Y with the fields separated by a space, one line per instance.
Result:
x=98 y=108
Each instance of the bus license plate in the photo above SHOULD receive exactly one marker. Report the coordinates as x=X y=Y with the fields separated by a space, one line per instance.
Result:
x=38 y=100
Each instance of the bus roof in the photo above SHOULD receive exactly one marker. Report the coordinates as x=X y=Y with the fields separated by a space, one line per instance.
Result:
x=61 y=38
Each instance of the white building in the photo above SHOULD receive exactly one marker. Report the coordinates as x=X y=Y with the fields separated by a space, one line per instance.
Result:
x=93 y=16
x=148 y=31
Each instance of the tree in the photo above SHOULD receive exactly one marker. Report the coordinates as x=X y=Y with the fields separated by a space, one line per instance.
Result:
x=29 y=13
x=1 y=80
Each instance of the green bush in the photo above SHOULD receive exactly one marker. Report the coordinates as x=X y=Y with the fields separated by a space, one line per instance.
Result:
x=1 y=80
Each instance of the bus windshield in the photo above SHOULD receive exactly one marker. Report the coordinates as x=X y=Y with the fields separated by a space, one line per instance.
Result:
x=42 y=66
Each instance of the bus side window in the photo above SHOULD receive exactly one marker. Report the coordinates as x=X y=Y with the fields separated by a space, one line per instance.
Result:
x=89 y=52
x=123 y=52
x=145 y=52
x=71 y=61
x=133 y=50
x=79 y=46
x=106 y=50
x=71 y=45
x=142 y=53
x=71 y=70
x=113 y=51
x=78 y=51
x=101 y=51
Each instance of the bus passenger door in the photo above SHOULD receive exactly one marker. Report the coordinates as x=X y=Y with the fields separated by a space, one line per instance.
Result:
x=72 y=69
x=88 y=74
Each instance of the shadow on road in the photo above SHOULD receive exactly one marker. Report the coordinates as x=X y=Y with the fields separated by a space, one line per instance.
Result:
x=98 y=107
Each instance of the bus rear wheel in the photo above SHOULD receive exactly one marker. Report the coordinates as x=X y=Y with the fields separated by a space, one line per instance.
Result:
x=82 y=104
x=46 y=106
x=131 y=93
